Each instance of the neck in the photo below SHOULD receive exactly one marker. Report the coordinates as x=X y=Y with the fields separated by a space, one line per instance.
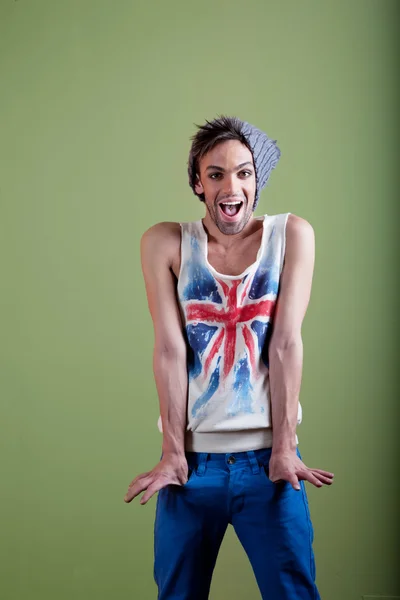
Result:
x=228 y=240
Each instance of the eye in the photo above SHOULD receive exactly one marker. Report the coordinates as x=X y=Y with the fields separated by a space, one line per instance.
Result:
x=215 y=175
x=245 y=173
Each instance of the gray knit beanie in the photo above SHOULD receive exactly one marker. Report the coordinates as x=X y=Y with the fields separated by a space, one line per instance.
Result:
x=265 y=152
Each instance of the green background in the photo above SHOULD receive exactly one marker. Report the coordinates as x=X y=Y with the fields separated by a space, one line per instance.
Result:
x=98 y=101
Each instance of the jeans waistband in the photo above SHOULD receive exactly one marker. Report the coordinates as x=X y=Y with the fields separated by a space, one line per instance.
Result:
x=201 y=460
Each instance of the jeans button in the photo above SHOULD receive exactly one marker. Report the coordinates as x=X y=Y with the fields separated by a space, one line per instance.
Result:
x=231 y=460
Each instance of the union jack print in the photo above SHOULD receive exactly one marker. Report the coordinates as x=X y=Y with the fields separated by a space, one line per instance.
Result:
x=228 y=325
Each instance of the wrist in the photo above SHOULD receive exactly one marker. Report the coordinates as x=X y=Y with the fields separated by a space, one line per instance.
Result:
x=284 y=446
x=174 y=452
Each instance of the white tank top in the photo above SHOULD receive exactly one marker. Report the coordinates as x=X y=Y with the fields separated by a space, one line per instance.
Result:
x=227 y=321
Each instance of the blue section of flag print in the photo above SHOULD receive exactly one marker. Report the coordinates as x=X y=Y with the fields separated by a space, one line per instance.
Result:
x=199 y=337
x=263 y=331
x=202 y=285
x=266 y=278
x=210 y=391
x=243 y=389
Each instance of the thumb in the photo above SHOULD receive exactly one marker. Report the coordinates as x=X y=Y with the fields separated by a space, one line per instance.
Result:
x=295 y=482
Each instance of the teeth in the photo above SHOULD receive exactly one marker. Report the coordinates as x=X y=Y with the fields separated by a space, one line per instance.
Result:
x=231 y=203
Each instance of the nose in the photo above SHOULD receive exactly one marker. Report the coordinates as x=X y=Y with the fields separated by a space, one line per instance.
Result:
x=231 y=185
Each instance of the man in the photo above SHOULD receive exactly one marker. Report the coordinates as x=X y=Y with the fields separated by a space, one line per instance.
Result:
x=227 y=295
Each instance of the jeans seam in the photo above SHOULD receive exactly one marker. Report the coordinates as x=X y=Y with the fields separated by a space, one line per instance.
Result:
x=305 y=502
x=155 y=536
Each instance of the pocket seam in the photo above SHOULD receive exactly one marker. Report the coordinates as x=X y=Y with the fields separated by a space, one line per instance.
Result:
x=310 y=527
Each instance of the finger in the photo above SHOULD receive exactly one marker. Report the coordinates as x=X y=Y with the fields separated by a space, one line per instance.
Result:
x=141 y=476
x=308 y=476
x=326 y=480
x=135 y=490
x=151 y=490
x=293 y=479
x=325 y=473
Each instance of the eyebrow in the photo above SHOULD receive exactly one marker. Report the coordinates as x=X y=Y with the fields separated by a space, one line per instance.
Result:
x=222 y=169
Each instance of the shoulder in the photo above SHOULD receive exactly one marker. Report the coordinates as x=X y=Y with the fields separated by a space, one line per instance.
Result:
x=298 y=230
x=162 y=232
x=162 y=239
x=300 y=244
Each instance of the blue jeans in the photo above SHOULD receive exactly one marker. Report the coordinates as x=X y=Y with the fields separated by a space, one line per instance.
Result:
x=271 y=520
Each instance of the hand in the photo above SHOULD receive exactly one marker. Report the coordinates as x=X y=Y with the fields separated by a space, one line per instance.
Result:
x=170 y=470
x=285 y=465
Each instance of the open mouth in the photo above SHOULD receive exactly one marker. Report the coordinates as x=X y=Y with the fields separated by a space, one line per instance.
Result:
x=231 y=208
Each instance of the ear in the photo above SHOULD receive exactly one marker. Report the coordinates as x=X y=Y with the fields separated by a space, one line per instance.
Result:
x=198 y=186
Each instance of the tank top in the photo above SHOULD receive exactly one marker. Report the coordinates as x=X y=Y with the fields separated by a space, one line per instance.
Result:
x=227 y=324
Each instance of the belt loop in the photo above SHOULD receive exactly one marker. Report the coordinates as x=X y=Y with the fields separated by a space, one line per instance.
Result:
x=201 y=467
x=255 y=467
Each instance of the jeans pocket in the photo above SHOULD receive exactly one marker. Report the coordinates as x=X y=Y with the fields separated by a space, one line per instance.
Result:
x=178 y=486
x=189 y=477
x=265 y=469
x=282 y=485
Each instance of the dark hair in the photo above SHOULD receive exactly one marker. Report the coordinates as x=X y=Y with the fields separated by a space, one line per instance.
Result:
x=209 y=135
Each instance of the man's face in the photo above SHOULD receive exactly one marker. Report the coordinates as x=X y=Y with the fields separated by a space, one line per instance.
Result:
x=228 y=181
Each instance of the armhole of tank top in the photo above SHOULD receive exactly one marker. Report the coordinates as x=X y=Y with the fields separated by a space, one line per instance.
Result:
x=181 y=250
x=283 y=246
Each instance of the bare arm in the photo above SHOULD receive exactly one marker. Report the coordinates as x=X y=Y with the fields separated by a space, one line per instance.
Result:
x=169 y=357
x=158 y=245
x=286 y=345
x=286 y=355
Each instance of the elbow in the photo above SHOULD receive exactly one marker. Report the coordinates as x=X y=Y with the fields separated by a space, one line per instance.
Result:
x=169 y=360
x=170 y=350
x=282 y=343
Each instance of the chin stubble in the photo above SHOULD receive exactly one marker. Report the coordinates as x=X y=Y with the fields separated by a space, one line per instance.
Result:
x=231 y=229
